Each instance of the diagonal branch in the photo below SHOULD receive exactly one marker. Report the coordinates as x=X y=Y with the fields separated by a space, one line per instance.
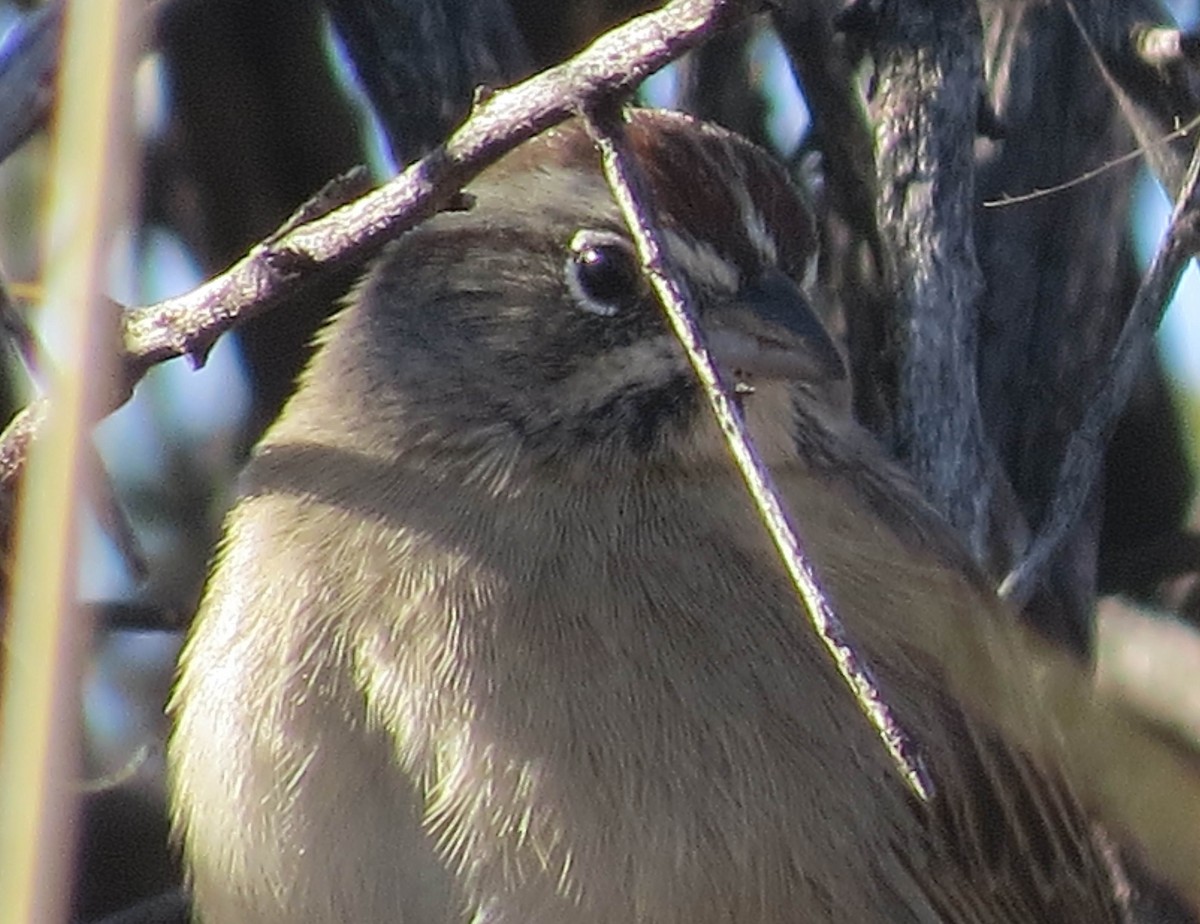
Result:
x=277 y=269
x=628 y=189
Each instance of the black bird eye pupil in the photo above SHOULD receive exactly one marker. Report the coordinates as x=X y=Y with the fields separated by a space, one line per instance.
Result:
x=605 y=273
x=602 y=272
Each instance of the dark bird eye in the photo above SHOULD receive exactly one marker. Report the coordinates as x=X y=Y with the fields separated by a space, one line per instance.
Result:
x=602 y=272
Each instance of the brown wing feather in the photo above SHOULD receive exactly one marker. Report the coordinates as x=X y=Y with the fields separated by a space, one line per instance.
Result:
x=1016 y=844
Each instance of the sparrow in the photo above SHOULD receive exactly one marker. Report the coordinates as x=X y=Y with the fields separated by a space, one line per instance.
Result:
x=495 y=633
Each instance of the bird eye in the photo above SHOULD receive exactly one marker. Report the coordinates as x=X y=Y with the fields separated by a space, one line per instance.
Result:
x=602 y=272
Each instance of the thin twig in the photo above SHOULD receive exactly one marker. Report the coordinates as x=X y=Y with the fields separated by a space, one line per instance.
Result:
x=1157 y=92
x=341 y=190
x=112 y=518
x=629 y=190
x=1088 y=175
x=120 y=776
x=1083 y=455
x=833 y=97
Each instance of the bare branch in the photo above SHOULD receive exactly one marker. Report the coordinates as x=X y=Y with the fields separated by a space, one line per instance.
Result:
x=277 y=269
x=1147 y=63
x=272 y=272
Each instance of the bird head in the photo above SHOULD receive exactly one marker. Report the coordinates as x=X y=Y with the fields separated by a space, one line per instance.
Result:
x=524 y=326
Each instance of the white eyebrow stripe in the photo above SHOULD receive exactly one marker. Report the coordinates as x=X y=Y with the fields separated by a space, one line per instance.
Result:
x=808 y=283
x=756 y=225
x=701 y=262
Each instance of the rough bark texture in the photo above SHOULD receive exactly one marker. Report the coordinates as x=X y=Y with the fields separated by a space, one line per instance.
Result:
x=927 y=86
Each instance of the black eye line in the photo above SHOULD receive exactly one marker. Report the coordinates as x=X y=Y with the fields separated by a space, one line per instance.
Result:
x=637 y=414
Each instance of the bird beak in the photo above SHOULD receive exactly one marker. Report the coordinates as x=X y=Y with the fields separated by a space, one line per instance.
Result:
x=769 y=331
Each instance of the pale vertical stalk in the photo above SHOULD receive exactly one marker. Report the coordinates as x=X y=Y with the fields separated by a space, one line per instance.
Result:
x=39 y=752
